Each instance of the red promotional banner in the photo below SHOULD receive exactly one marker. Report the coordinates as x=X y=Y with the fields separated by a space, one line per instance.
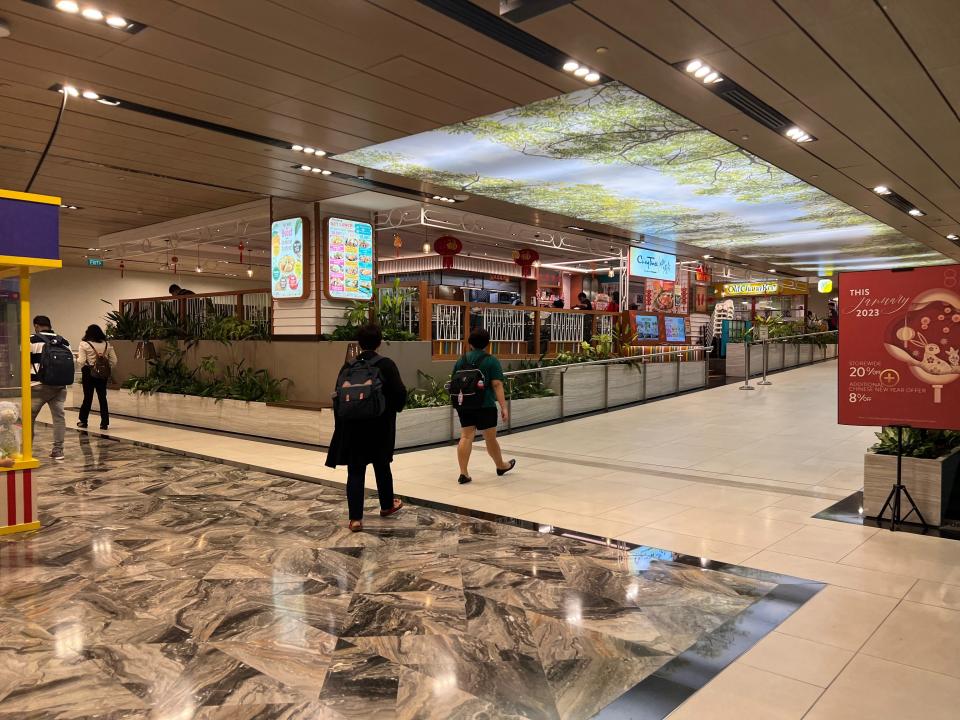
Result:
x=900 y=348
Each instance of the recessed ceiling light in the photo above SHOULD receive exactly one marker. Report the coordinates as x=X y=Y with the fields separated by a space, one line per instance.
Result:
x=115 y=21
x=693 y=66
x=90 y=95
x=316 y=170
x=92 y=13
x=249 y=272
x=708 y=257
x=112 y=103
x=581 y=71
x=574 y=227
x=771 y=270
x=711 y=77
x=309 y=150
x=702 y=71
x=296 y=148
x=882 y=190
x=306 y=167
x=916 y=213
x=592 y=77
x=71 y=90
x=67 y=6
x=571 y=65
x=326 y=172
x=953 y=236
x=320 y=153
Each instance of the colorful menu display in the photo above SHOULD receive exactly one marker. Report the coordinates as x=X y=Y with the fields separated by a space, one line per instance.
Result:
x=675 y=329
x=652 y=264
x=287 y=259
x=349 y=259
x=900 y=354
x=648 y=327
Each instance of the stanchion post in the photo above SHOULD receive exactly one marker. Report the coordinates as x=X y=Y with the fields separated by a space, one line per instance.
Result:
x=746 y=367
x=765 y=349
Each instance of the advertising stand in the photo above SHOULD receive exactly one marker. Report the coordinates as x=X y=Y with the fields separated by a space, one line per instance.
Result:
x=29 y=242
x=900 y=357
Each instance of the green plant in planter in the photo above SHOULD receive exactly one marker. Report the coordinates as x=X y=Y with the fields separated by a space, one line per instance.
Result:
x=129 y=324
x=917 y=442
x=430 y=392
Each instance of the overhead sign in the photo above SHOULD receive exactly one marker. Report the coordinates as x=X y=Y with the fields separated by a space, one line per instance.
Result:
x=29 y=225
x=766 y=287
x=349 y=260
x=95 y=262
x=288 y=258
x=652 y=264
x=900 y=352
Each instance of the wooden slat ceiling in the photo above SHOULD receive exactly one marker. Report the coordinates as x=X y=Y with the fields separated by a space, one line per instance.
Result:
x=878 y=83
x=879 y=86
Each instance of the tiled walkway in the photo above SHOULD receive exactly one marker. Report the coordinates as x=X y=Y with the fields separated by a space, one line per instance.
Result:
x=734 y=476
x=169 y=587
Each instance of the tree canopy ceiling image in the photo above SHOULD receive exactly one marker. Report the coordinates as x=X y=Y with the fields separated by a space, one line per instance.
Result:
x=611 y=155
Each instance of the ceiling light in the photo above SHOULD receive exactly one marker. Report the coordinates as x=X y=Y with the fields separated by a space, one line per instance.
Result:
x=426 y=248
x=296 y=148
x=581 y=71
x=326 y=172
x=309 y=150
x=306 y=167
x=199 y=269
x=708 y=257
x=320 y=153
x=571 y=65
x=711 y=77
x=92 y=13
x=771 y=270
x=702 y=71
x=882 y=190
x=67 y=6
x=90 y=95
x=436 y=197
x=592 y=77
x=574 y=227
x=70 y=90
x=693 y=66
x=249 y=272
x=953 y=236
x=916 y=213
x=115 y=21
x=316 y=170
x=111 y=103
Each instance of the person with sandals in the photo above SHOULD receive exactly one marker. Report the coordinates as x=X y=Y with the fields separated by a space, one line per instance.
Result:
x=97 y=359
x=368 y=396
x=476 y=389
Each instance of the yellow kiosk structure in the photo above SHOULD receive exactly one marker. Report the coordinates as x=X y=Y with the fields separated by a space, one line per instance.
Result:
x=29 y=242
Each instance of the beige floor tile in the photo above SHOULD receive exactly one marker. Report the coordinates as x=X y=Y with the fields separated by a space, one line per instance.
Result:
x=872 y=581
x=839 y=617
x=928 y=558
x=572 y=521
x=779 y=513
x=873 y=688
x=930 y=593
x=793 y=657
x=923 y=636
x=819 y=543
x=499 y=506
x=645 y=511
x=742 y=692
x=717 y=497
x=808 y=504
x=728 y=526
x=690 y=545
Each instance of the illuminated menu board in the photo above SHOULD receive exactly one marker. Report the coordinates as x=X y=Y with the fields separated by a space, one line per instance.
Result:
x=287 y=264
x=675 y=329
x=652 y=264
x=349 y=259
x=648 y=327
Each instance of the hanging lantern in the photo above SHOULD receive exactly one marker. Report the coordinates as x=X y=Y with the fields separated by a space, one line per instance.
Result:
x=122 y=266
x=447 y=246
x=173 y=261
x=426 y=248
x=397 y=242
x=241 y=248
x=525 y=259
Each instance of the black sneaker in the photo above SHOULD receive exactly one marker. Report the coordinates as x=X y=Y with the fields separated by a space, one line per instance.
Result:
x=81 y=425
x=508 y=468
x=104 y=427
x=464 y=479
x=56 y=455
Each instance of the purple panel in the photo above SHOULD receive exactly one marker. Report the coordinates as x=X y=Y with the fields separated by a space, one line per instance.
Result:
x=29 y=229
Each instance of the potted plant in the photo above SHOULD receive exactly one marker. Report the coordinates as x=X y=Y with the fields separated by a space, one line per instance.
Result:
x=930 y=466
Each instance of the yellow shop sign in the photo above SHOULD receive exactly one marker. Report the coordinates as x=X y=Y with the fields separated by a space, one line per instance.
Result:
x=768 y=287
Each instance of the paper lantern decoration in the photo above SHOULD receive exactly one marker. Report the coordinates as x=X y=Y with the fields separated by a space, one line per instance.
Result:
x=397 y=242
x=446 y=247
x=926 y=336
x=122 y=266
x=173 y=261
x=525 y=259
x=241 y=248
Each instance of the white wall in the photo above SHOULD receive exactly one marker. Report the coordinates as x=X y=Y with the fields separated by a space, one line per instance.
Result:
x=72 y=296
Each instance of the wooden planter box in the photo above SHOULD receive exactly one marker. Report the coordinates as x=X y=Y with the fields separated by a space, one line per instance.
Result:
x=930 y=482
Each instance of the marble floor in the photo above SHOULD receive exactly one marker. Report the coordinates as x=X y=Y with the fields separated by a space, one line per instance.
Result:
x=169 y=587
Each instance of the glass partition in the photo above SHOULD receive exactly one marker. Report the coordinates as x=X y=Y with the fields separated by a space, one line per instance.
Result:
x=11 y=435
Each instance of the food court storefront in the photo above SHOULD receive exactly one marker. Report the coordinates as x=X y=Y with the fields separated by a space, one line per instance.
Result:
x=785 y=297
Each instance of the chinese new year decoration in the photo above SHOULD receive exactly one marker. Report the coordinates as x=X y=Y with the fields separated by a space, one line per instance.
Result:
x=446 y=247
x=122 y=266
x=173 y=261
x=241 y=248
x=525 y=259
x=397 y=242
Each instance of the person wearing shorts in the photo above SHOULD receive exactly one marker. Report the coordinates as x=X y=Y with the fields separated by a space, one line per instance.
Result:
x=483 y=418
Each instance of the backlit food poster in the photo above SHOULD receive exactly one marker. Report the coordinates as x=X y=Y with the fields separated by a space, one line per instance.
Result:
x=349 y=259
x=900 y=347
x=287 y=264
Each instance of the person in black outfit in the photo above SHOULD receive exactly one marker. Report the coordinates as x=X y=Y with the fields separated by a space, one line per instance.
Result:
x=176 y=290
x=357 y=443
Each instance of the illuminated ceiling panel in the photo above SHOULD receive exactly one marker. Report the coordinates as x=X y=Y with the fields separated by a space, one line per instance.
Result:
x=611 y=155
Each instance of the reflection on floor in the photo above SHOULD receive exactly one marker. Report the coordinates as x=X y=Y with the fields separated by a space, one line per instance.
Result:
x=170 y=587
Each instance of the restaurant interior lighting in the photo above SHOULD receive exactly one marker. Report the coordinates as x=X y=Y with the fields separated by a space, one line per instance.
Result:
x=702 y=72
x=570 y=66
x=115 y=21
x=67 y=6
x=426 y=248
x=882 y=190
x=592 y=77
x=249 y=272
x=307 y=168
x=326 y=172
x=308 y=150
x=70 y=90
x=296 y=148
x=798 y=135
x=581 y=71
x=90 y=95
x=915 y=212
x=92 y=13
x=953 y=236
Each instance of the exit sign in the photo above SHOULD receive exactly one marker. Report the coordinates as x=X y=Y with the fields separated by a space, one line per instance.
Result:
x=95 y=262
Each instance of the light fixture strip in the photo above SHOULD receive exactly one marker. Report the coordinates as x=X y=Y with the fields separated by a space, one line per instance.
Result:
x=91 y=13
x=574 y=68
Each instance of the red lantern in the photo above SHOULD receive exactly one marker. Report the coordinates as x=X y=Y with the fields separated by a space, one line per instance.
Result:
x=240 y=247
x=173 y=261
x=122 y=266
x=525 y=259
x=397 y=242
x=446 y=247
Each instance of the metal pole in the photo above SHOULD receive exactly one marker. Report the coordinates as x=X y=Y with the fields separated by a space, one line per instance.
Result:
x=706 y=368
x=765 y=349
x=563 y=373
x=746 y=363
x=678 y=375
x=643 y=380
x=606 y=387
x=510 y=406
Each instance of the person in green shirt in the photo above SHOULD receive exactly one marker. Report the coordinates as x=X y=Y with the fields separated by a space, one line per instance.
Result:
x=483 y=418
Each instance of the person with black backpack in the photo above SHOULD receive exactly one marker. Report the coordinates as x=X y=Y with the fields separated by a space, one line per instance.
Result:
x=52 y=370
x=368 y=396
x=476 y=388
x=97 y=358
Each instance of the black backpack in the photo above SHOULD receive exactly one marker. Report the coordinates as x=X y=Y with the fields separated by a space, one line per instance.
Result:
x=360 y=391
x=100 y=370
x=467 y=386
x=56 y=361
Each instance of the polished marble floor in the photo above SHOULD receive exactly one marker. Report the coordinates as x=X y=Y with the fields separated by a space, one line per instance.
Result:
x=170 y=587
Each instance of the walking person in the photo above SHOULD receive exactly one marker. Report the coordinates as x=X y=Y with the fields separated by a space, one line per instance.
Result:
x=52 y=369
x=97 y=359
x=476 y=390
x=369 y=395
